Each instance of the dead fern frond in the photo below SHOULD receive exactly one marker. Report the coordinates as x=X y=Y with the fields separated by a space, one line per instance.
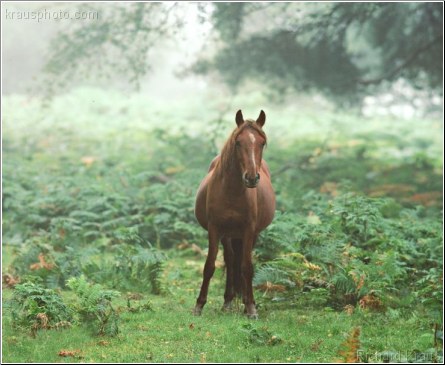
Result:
x=270 y=287
x=349 y=349
x=349 y=309
x=42 y=264
x=10 y=281
x=371 y=302
x=70 y=353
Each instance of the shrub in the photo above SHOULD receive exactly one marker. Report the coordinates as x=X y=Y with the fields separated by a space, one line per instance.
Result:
x=40 y=259
x=35 y=307
x=94 y=305
x=133 y=264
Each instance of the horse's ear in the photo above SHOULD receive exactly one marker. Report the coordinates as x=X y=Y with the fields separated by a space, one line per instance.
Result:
x=239 y=118
x=261 y=119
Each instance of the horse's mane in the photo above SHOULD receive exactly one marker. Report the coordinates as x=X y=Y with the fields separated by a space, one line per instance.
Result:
x=226 y=161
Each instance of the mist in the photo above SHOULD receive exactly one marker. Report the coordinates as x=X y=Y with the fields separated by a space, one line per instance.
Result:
x=114 y=118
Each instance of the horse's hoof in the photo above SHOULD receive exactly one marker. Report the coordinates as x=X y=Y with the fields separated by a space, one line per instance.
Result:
x=227 y=307
x=250 y=311
x=197 y=311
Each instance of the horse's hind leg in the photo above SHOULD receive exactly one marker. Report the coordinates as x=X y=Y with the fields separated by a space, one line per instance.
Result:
x=209 y=269
x=229 y=293
x=247 y=275
x=237 y=248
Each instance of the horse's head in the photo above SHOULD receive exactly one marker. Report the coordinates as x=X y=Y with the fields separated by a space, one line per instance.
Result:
x=249 y=143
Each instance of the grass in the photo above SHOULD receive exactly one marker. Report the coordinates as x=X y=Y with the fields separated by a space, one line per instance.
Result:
x=172 y=334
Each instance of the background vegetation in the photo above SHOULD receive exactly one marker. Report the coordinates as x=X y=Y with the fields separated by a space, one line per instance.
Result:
x=99 y=235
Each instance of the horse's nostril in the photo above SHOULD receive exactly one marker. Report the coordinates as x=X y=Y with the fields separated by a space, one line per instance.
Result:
x=251 y=181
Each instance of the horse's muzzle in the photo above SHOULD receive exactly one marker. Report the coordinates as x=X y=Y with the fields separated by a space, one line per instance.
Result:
x=251 y=183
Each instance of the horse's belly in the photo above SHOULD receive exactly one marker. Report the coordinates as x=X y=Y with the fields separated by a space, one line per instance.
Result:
x=232 y=224
x=266 y=200
x=201 y=204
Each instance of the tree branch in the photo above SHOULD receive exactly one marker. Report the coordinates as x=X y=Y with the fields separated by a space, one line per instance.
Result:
x=408 y=61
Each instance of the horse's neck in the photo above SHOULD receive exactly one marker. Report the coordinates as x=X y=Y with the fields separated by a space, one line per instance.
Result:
x=230 y=176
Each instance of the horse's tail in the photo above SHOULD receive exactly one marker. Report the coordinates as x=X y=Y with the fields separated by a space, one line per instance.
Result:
x=237 y=247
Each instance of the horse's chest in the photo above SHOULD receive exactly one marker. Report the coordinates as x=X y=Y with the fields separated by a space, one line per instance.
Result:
x=232 y=214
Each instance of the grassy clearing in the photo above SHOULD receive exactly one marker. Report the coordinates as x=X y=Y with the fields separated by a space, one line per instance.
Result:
x=172 y=334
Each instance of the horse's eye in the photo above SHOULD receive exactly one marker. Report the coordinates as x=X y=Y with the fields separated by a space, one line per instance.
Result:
x=237 y=143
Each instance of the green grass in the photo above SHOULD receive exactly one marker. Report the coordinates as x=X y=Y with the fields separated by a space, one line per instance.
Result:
x=172 y=334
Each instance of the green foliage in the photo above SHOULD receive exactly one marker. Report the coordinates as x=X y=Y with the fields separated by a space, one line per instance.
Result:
x=277 y=237
x=307 y=334
x=131 y=267
x=156 y=196
x=360 y=216
x=131 y=263
x=35 y=307
x=431 y=290
x=122 y=34
x=351 y=250
x=366 y=45
x=228 y=19
x=51 y=263
x=145 y=307
x=358 y=221
x=94 y=306
x=260 y=336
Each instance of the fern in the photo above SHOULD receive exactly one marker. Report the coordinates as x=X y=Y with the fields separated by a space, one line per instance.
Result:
x=343 y=282
x=95 y=306
x=269 y=274
x=156 y=270
x=279 y=237
x=143 y=264
x=360 y=216
x=430 y=291
x=294 y=279
x=65 y=263
x=31 y=302
x=131 y=267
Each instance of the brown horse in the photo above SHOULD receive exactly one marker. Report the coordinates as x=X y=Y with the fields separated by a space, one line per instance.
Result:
x=235 y=202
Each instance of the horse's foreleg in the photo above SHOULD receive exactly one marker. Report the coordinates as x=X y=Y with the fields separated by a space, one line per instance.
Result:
x=247 y=275
x=229 y=293
x=209 y=269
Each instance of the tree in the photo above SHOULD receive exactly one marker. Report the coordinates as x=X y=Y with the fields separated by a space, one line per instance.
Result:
x=341 y=49
x=117 y=43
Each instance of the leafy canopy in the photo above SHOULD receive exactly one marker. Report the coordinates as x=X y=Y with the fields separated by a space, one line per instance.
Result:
x=340 y=49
